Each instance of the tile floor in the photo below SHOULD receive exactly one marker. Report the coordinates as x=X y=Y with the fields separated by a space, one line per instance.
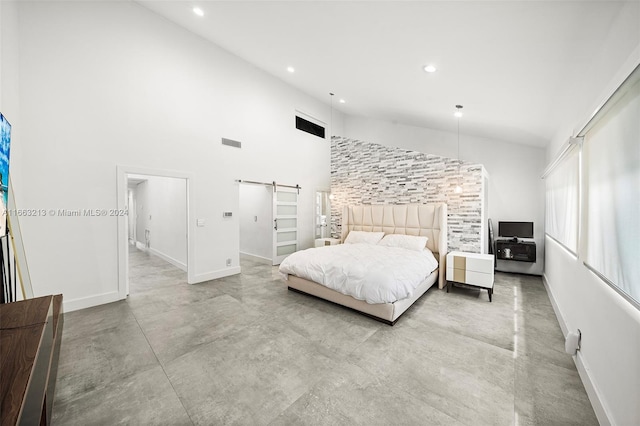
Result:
x=244 y=350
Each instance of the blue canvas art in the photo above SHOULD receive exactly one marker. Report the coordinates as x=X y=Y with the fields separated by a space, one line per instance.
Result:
x=5 y=144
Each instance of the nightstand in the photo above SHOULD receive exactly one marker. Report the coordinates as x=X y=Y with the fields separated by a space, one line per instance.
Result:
x=471 y=269
x=321 y=242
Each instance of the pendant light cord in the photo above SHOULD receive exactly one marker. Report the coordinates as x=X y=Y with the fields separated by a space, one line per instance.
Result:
x=458 y=115
x=458 y=144
x=331 y=117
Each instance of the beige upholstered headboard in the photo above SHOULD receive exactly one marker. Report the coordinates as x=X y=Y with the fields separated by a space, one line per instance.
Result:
x=429 y=220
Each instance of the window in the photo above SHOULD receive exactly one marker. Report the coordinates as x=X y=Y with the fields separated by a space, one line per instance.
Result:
x=562 y=200
x=612 y=191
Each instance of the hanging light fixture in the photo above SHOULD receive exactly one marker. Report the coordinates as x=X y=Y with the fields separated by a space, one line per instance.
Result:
x=458 y=115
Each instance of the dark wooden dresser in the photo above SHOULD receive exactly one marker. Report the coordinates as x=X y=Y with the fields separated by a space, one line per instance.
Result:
x=30 y=335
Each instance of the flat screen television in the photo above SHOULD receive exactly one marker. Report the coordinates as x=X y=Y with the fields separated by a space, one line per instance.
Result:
x=515 y=229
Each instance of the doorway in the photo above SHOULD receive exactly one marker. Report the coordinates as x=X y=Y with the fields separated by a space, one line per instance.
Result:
x=268 y=221
x=256 y=222
x=157 y=220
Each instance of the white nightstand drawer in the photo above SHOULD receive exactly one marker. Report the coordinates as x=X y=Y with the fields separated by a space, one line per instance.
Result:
x=480 y=265
x=471 y=261
x=470 y=277
x=480 y=279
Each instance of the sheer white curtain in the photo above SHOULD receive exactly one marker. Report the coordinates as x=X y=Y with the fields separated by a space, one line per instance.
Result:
x=562 y=201
x=612 y=195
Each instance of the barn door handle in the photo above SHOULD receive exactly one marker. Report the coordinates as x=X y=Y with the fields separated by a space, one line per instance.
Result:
x=275 y=222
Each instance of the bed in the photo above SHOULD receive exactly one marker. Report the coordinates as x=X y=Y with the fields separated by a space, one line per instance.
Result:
x=428 y=220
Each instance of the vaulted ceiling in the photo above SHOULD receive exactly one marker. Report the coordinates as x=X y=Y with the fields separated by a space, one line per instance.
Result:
x=513 y=65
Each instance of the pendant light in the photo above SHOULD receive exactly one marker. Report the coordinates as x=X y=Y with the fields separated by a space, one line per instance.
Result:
x=458 y=115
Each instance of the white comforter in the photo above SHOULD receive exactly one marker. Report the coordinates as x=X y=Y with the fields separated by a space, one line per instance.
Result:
x=366 y=272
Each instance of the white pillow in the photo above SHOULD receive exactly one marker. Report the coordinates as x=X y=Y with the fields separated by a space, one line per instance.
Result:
x=409 y=242
x=363 y=237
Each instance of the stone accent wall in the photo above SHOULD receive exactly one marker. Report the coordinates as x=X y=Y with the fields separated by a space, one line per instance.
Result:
x=368 y=173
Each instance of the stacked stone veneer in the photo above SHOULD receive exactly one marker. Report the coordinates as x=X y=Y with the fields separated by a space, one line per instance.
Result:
x=368 y=173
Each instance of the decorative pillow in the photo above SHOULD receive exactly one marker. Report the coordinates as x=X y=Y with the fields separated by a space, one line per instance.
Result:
x=363 y=237
x=409 y=242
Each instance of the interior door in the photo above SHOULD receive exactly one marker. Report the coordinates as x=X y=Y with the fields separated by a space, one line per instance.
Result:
x=285 y=223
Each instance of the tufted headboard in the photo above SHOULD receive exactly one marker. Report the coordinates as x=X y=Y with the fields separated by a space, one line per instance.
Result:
x=429 y=220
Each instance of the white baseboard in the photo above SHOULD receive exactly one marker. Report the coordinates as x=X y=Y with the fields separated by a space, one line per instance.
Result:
x=592 y=391
x=255 y=257
x=171 y=260
x=88 y=302
x=101 y=299
x=221 y=273
x=556 y=309
x=583 y=370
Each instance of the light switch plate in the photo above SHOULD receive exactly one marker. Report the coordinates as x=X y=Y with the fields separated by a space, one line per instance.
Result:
x=200 y=222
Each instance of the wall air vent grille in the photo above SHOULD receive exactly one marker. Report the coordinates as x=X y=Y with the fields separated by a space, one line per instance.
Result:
x=231 y=142
x=309 y=127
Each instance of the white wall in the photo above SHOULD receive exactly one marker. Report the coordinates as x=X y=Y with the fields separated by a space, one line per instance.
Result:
x=161 y=208
x=609 y=360
x=256 y=220
x=590 y=88
x=516 y=192
x=111 y=83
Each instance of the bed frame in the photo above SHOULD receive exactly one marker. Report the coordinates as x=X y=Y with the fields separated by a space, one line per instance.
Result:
x=429 y=220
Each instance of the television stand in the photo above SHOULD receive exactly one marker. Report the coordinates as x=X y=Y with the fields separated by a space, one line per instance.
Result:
x=516 y=250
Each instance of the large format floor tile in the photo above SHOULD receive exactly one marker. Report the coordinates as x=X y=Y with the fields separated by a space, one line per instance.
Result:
x=468 y=312
x=349 y=395
x=102 y=357
x=244 y=350
x=467 y=379
x=248 y=377
x=146 y=398
x=548 y=394
x=178 y=331
x=335 y=331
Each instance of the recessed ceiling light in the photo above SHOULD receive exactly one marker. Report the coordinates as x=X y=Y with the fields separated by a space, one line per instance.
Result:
x=291 y=69
x=430 y=68
x=198 y=11
x=342 y=101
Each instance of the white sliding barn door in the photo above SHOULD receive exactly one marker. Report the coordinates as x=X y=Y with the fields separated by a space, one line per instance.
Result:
x=285 y=223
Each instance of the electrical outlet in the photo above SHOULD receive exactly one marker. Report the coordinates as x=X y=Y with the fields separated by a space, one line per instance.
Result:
x=228 y=262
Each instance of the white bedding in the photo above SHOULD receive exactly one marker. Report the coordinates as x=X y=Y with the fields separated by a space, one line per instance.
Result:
x=368 y=272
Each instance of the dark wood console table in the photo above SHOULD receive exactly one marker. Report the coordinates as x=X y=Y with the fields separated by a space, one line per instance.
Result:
x=521 y=251
x=30 y=335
